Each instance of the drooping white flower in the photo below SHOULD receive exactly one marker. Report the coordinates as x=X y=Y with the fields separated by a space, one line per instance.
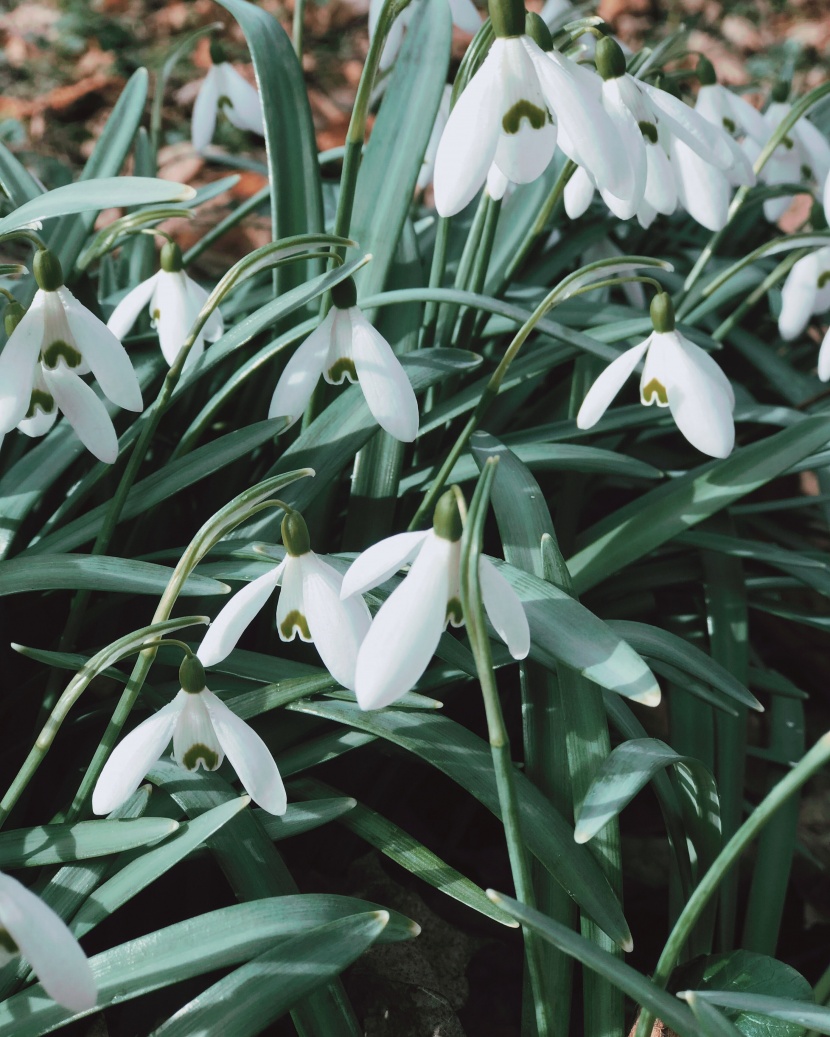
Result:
x=465 y=16
x=806 y=292
x=30 y=928
x=676 y=374
x=345 y=347
x=204 y=731
x=174 y=301
x=406 y=630
x=512 y=112
x=427 y=170
x=226 y=90
x=51 y=346
x=309 y=605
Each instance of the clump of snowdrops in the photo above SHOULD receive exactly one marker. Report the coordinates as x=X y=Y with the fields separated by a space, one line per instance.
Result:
x=408 y=413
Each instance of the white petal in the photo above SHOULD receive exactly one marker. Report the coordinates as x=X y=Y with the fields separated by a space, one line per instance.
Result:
x=172 y=313
x=380 y=561
x=126 y=312
x=388 y=391
x=291 y=614
x=337 y=627
x=497 y=183
x=245 y=111
x=689 y=126
x=815 y=147
x=468 y=143
x=826 y=199
x=465 y=16
x=197 y=297
x=824 y=358
x=609 y=383
x=48 y=945
x=133 y=757
x=105 y=355
x=504 y=609
x=702 y=189
x=745 y=116
x=428 y=165
x=579 y=192
x=661 y=190
x=302 y=372
x=798 y=297
x=250 y=757
x=204 y=110
x=225 y=631
x=18 y=362
x=522 y=155
x=406 y=630
x=85 y=413
x=195 y=743
x=42 y=420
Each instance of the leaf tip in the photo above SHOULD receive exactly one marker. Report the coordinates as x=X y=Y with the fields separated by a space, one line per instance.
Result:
x=627 y=944
x=581 y=835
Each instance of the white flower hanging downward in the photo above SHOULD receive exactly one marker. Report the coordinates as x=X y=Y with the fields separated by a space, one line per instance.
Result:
x=204 y=732
x=406 y=630
x=309 y=605
x=225 y=90
x=32 y=929
x=807 y=292
x=677 y=374
x=174 y=302
x=49 y=348
x=345 y=347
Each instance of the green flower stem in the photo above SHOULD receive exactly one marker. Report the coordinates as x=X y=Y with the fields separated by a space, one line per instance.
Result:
x=436 y=276
x=815 y=759
x=541 y=222
x=498 y=737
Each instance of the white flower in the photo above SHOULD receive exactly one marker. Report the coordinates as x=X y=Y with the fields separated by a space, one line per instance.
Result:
x=406 y=630
x=806 y=292
x=730 y=111
x=345 y=347
x=31 y=928
x=204 y=732
x=511 y=113
x=428 y=165
x=465 y=16
x=174 y=301
x=224 y=89
x=309 y=605
x=54 y=343
x=677 y=374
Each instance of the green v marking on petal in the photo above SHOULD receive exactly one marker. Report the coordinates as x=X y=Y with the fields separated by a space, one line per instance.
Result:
x=824 y=279
x=655 y=390
x=47 y=405
x=197 y=754
x=536 y=116
x=53 y=353
x=340 y=370
x=648 y=130
x=7 y=944
x=295 y=620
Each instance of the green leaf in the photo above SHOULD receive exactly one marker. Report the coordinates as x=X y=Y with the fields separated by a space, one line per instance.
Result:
x=804 y=1014
x=252 y=997
x=16 y=180
x=712 y=1023
x=638 y=528
x=95 y=572
x=94 y=195
x=303 y=817
x=56 y=844
x=466 y=759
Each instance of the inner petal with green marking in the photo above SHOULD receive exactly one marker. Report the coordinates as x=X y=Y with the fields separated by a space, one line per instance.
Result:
x=200 y=754
x=40 y=400
x=60 y=350
x=536 y=116
x=648 y=130
x=341 y=370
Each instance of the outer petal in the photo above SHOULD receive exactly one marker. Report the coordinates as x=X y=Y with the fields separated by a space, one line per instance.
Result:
x=406 y=629
x=826 y=199
x=609 y=383
x=497 y=183
x=689 y=126
x=661 y=190
x=105 y=355
x=84 y=412
x=579 y=192
x=172 y=313
x=134 y=756
x=388 y=391
x=250 y=757
x=816 y=148
x=204 y=110
x=302 y=372
x=468 y=143
x=18 y=362
x=380 y=561
x=48 y=945
x=245 y=111
x=746 y=117
x=337 y=627
x=504 y=609
x=702 y=189
x=197 y=297
x=225 y=631
x=798 y=297
x=126 y=312
x=824 y=358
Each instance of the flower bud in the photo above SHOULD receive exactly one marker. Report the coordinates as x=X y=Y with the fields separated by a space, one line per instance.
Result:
x=295 y=534
x=507 y=17
x=171 y=258
x=610 y=58
x=192 y=675
x=446 y=520
x=537 y=30
x=662 y=313
x=12 y=316
x=344 y=294
x=47 y=270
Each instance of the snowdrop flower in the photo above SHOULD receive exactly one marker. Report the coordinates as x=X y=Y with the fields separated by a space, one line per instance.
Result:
x=204 y=732
x=677 y=374
x=225 y=90
x=309 y=605
x=345 y=347
x=406 y=630
x=465 y=16
x=49 y=348
x=31 y=928
x=519 y=103
x=726 y=109
x=174 y=302
x=807 y=292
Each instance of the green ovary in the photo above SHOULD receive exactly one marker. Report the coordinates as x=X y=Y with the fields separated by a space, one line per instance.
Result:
x=295 y=620
x=60 y=350
x=655 y=390
x=197 y=754
x=536 y=116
